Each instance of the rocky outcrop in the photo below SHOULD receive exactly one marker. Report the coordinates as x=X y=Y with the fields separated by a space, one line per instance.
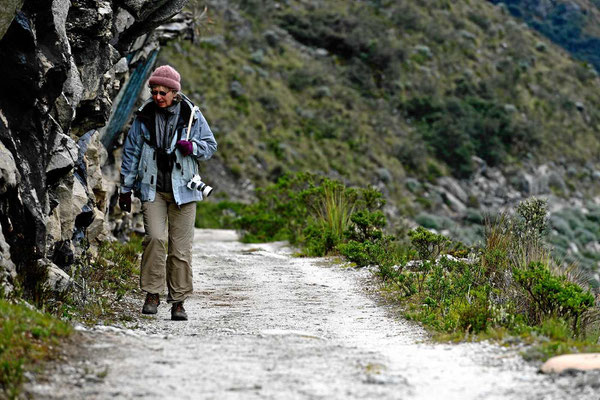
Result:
x=63 y=65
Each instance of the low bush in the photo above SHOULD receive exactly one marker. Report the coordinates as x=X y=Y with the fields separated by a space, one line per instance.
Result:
x=552 y=296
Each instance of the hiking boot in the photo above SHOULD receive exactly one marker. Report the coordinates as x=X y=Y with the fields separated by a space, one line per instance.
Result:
x=151 y=304
x=178 y=312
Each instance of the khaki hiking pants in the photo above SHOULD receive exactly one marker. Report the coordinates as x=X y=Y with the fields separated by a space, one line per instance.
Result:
x=163 y=220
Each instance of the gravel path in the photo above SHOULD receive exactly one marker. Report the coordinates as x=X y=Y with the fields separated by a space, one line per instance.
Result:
x=265 y=325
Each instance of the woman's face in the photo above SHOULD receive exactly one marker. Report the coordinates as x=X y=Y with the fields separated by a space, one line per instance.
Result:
x=162 y=95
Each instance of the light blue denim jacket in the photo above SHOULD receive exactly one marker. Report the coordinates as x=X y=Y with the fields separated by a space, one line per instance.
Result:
x=139 y=169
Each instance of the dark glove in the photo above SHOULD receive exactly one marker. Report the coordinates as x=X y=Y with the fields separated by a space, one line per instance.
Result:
x=185 y=147
x=125 y=202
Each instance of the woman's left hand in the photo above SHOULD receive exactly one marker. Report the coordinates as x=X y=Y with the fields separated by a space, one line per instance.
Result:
x=185 y=147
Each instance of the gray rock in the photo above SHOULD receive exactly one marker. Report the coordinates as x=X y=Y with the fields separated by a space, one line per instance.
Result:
x=8 y=271
x=62 y=220
x=271 y=37
x=424 y=51
x=60 y=11
x=80 y=197
x=413 y=185
x=123 y=20
x=257 y=56
x=95 y=156
x=524 y=183
x=454 y=202
x=216 y=42
x=556 y=182
x=262 y=73
x=541 y=47
x=96 y=228
x=58 y=280
x=322 y=91
x=236 y=89
x=64 y=154
x=9 y=174
x=248 y=70
x=121 y=67
x=453 y=187
x=384 y=175
x=468 y=35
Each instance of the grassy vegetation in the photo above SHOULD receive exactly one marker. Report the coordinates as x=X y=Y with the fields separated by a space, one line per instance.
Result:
x=101 y=283
x=29 y=336
x=509 y=288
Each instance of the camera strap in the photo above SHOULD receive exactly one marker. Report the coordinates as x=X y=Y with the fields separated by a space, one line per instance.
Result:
x=194 y=109
x=187 y=135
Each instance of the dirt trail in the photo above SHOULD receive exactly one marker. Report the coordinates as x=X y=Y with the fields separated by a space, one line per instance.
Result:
x=265 y=325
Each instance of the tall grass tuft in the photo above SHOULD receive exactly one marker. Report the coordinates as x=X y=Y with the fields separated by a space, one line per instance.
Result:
x=331 y=206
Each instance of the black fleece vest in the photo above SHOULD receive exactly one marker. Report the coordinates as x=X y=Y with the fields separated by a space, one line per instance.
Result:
x=164 y=161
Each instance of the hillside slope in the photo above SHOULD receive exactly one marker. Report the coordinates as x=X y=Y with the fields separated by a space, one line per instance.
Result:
x=572 y=24
x=373 y=92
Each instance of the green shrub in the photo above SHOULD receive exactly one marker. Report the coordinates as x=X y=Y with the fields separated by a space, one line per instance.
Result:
x=552 y=296
x=279 y=213
x=474 y=313
x=457 y=129
x=315 y=212
x=384 y=251
x=221 y=215
x=428 y=244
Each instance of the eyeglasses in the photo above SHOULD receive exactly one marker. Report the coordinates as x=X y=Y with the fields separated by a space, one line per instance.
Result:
x=157 y=92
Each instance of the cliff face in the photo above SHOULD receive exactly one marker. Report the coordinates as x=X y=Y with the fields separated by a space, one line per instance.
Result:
x=63 y=65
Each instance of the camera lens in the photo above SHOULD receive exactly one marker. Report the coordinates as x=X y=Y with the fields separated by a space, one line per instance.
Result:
x=206 y=190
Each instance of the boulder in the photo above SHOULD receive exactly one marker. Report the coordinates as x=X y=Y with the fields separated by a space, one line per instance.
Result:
x=236 y=89
x=571 y=362
x=8 y=271
x=271 y=38
x=384 y=175
x=215 y=42
x=94 y=157
x=453 y=187
x=57 y=280
x=96 y=228
x=453 y=202
x=9 y=174
x=258 y=56
x=63 y=155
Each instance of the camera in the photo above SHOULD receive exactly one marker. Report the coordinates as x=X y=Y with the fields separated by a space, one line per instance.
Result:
x=197 y=184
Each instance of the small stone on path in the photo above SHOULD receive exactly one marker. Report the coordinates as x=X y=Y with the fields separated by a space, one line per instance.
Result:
x=577 y=362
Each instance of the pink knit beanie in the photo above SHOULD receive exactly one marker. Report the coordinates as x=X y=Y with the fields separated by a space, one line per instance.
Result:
x=166 y=75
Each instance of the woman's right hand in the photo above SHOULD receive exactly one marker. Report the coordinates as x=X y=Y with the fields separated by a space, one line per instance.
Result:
x=125 y=202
